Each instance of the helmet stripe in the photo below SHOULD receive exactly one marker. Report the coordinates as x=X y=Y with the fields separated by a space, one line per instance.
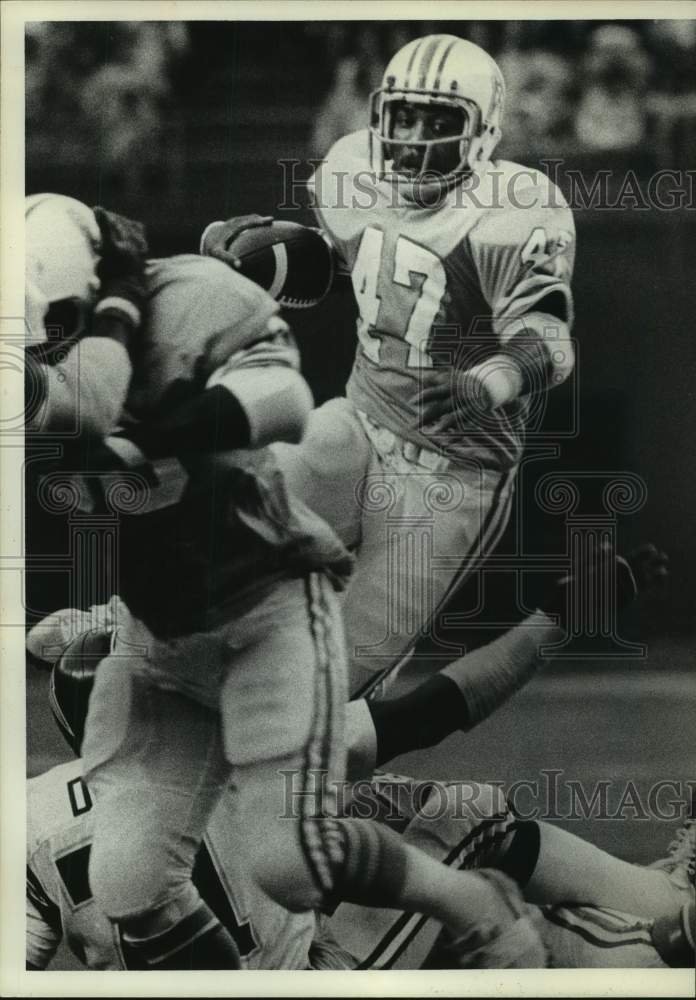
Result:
x=430 y=50
x=411 y=61
x=441 y=64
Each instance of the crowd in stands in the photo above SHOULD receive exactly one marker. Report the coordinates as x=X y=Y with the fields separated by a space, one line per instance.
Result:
x=105 y=87
x=573 y=86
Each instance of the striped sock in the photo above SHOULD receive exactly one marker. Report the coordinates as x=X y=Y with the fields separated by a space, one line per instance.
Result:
x=368 y=862
x=196 y=941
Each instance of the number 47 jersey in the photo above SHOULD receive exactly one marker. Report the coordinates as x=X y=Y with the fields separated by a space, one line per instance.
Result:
x=447 y=286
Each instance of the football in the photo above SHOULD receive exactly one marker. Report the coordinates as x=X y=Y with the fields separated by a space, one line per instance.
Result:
x=292 y=262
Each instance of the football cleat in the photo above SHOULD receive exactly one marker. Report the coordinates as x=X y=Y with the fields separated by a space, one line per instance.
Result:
x=673 y=934
x=438 y=71
x=610 y=577
x=507 y=937
x=674 y=937
x=680 y=860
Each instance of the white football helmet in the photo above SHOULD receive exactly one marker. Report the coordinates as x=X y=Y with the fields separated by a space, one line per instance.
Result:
x=63 y=246
x=439 y=70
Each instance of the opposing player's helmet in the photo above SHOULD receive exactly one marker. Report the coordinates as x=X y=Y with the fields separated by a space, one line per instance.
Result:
x=62 y=252
x=446 y=71
x=72 y=680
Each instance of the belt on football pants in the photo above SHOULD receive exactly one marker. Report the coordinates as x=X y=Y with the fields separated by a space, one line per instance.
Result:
x=386 y=442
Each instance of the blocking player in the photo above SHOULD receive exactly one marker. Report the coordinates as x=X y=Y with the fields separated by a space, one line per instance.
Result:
x=461 y=270
x=85 y=291
x=228 y=653
x=60 y=831
x=464 y=824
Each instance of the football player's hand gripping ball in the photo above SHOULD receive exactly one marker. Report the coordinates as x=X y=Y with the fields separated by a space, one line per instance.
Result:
x=218 y=237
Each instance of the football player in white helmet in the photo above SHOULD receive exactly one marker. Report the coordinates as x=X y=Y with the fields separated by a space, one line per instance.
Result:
x=62 y=254
x=460 y=267
x=436 y=118
x=84 y=292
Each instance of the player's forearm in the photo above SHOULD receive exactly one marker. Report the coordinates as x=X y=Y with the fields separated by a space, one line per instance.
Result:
x=86 y=391
x=536 y=354
x=251 y=408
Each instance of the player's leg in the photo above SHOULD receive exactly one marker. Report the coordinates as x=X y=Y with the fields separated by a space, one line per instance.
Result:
x=456 y=698
x=463 y=825
x=571 y=870
x=472 y=687
x=155 y=768
x=586 y=937
x=300 y=851
x=282 y=703
x=326 y=468
x=550 y=863
x=422 y=530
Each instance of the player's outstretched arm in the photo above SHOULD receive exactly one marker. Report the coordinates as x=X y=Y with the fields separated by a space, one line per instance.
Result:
x=520 y=368
x=471 y=688
x=256 y=397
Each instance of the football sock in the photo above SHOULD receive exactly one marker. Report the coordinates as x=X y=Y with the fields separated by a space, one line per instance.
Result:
x=165 y=940
x=379 y=869
x=570 y=870
x=520 y=852
x=464 y=693
x=489 y=676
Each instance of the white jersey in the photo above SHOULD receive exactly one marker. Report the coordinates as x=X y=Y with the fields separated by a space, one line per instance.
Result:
x=447 y=286
x=60 y=904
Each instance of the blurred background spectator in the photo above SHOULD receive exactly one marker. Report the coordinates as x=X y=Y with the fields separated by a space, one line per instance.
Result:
x=101 y=92
x=541 y=103
x=615 y=73
x=145 y=99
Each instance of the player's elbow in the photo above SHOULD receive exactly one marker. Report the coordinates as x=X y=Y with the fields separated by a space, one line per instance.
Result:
x=276 y=401
x=98 y=420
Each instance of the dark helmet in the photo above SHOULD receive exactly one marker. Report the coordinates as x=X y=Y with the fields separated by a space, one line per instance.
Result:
x=72 y=679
